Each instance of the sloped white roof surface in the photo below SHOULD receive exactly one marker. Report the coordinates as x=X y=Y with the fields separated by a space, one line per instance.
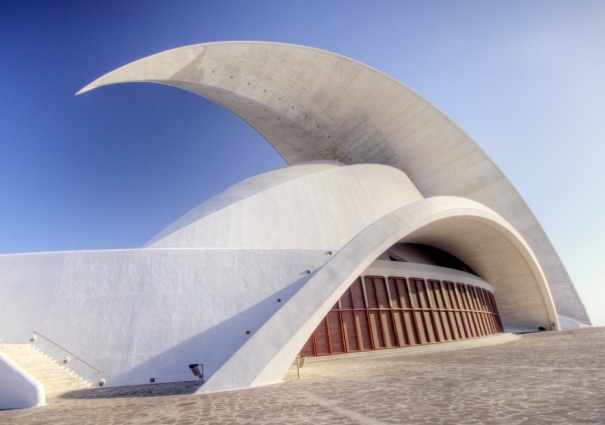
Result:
x=315 y=206
x=312 y=105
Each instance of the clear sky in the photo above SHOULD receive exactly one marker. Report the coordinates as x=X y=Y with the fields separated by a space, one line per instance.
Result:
x=113 y=167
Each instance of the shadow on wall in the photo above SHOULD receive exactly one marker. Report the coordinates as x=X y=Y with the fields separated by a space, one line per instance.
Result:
x=210 y=348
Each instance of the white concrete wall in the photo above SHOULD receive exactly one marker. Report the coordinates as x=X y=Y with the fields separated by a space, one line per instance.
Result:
x=141 y=314
x=567 y=323
x=18 y=389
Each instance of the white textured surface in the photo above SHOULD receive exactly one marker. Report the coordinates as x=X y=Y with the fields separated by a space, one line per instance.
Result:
x=18 y=389
x=53 y=374
x=567 y=323
x=313 y=105
x=242 y=190
x=314 y=206
x=148 y=313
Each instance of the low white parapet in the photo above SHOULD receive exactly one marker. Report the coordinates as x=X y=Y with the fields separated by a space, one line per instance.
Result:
x=18 y=389
x=569 y=323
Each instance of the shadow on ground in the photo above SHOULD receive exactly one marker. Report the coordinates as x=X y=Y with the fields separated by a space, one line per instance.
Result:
x=149 y=390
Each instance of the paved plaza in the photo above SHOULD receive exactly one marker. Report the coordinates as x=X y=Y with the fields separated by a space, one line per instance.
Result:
x=541 y=378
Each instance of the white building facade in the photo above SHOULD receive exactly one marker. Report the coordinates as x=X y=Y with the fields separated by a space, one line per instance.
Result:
x=380 y=184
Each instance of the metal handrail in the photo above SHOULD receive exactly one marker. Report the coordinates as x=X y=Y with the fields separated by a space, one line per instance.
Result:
x=71 y=354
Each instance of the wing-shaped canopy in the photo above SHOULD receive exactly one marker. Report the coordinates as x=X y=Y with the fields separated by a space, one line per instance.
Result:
x=312 y=105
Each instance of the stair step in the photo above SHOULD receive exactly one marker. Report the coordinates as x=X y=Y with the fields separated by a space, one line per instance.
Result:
x=55 y=378
x=64 y=388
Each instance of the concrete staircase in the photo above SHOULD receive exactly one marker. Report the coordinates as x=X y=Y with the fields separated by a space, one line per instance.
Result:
x=56 y=379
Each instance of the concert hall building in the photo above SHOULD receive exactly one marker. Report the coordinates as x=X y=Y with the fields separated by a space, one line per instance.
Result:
x=388 y=228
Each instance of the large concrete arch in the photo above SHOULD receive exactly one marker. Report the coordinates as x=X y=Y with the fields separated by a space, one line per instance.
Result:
x=311 y=105
x=267 y=355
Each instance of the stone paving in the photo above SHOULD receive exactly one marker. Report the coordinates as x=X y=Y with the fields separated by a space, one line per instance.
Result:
x=541 y=378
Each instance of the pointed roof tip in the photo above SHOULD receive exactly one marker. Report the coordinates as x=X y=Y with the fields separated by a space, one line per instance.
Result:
x=86 y=88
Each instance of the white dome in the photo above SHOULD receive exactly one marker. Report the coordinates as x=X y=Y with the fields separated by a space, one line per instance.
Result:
x=306 y=206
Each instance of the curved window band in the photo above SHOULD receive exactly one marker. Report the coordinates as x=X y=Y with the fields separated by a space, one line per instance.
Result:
x=378 y=312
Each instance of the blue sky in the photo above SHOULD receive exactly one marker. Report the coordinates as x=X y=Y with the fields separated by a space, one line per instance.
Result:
x=113 y=167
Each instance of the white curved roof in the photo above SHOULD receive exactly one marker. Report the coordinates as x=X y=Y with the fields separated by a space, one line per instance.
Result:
x=308 y=206
x=326 y=206
x=311 y=105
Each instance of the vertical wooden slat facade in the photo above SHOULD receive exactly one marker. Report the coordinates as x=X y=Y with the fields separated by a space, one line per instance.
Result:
x=378 y=313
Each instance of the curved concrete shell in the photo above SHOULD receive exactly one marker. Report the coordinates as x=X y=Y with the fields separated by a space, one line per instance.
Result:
x=242 y=282
x=311 y=105
x=225 y=287
x=522 y=294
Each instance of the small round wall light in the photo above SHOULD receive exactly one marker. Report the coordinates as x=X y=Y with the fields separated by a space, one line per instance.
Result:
x=152 y=380
x=101 y=382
